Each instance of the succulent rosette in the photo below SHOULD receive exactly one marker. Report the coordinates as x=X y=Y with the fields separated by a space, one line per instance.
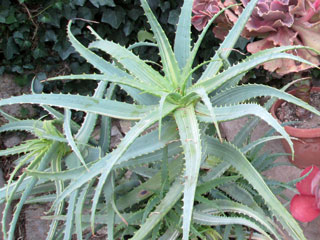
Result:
x=305 y=206
x=276 y=23
x=204 y=10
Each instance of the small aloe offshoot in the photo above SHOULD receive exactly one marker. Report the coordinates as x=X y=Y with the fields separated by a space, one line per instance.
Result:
x=176 y=152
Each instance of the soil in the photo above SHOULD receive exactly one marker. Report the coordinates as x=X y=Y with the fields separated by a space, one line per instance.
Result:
x=289 y=112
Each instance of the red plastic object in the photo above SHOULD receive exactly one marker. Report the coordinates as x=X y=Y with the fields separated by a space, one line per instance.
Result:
x=307 y=148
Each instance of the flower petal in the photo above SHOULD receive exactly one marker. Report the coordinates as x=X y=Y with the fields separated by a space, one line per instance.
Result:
x=303 y=208
x=305 y=186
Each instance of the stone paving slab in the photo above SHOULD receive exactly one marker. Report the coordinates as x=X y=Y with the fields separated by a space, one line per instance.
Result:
x=36 y=228
x=280 y=173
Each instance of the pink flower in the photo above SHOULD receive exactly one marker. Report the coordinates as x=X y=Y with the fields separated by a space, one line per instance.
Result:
x=305 y=206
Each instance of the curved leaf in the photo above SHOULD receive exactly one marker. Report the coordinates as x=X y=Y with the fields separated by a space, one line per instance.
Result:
x=161 y=210
x=211 y=83
x=104 y=107
x=226 y=47
x=183 y=34
x=106 y=164
x=169 y=62
x=237 y=111
x=191 y=143
x=231 y=206
x=244 y=93
x=137 y=67
x=206 y=219
x=229 y=153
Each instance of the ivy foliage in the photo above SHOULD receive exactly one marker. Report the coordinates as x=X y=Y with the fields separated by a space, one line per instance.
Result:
x=33 y=32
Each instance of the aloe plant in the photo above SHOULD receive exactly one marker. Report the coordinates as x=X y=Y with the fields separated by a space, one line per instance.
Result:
x=85 y=174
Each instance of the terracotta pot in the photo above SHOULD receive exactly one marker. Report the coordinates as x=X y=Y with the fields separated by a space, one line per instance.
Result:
x=307 y=148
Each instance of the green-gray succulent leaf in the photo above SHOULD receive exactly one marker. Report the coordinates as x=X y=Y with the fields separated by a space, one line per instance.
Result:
x=104 y=107
x=191 y=142
x=183 y=34
x=105 y=164
x=233 y=156
x=233 y=112
x=169 y=62
x=212 y=83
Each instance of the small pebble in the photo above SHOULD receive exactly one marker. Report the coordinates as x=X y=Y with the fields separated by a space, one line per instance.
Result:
x=11 y=141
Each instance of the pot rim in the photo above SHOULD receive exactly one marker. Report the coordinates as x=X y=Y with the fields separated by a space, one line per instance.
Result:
x=292 y=131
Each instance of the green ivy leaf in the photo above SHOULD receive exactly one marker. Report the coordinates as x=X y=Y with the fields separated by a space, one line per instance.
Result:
x=37 y=85
x=52 y=18
x=153 y=4
x=50 y=36
x=143 y=35
x=135 y=13
x=79 y=2
x=58 y=5
x=11 y=49
x=128 y=28
x=98 y=3
x=17 y=69
x=11 y=17
x=85 y=13
x=64 y=49
x=164 y=6
x=2 y=68
x=18 y=34
x=114 y=18
x=28 y=66
x=39 y=52
x=69 y=12
x=173 y=17
x=2 y=17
